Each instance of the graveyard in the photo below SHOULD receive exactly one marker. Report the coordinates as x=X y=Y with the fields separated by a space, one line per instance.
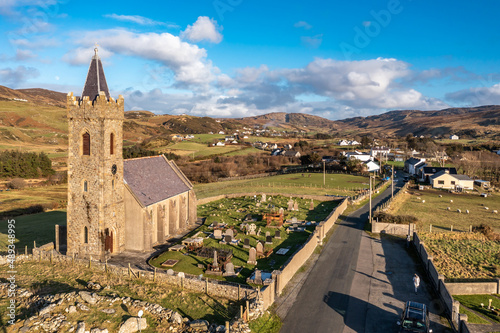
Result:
x=244 y=234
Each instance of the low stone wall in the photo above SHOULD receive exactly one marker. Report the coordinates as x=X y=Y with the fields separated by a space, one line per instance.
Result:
x=474 y=288
x=392 y=228
x=360 y=197
x=238 y=195
x=285 y=274
x=232 y=291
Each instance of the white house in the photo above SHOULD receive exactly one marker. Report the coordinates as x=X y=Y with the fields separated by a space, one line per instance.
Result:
x=413 y=164
x=358 y=155
x=380 y=152
x=453 y=137
x=372 y=166
x=445 y=180
x=220 y=144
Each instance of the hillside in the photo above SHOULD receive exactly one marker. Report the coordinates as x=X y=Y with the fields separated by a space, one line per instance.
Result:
x=35 y=120
x=289 y=121
x=482 y=121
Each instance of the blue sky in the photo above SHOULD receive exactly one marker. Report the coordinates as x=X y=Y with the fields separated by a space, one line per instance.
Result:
x=234 y=58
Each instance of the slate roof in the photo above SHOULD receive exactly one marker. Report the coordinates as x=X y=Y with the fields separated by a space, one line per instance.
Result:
x=154 y=179
x=96 y=81
x=442 y=172
x=429 y=170
x=413 y=161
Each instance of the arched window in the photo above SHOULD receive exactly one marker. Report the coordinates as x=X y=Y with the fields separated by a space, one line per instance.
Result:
x=85 y=235
x=85 y=186
x=86 y=144
x=111 y=143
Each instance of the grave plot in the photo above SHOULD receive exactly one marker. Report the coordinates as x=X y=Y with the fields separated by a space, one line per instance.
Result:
x=244 y=238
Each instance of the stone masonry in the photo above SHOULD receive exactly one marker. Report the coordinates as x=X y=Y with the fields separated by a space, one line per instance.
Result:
x=95 y=214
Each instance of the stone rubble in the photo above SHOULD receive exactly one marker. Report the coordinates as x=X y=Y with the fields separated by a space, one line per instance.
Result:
x=46 y=318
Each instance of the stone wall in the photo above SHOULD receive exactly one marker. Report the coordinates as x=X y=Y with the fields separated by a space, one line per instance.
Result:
x=238 y=195
x=392 y=228
x=232 y=291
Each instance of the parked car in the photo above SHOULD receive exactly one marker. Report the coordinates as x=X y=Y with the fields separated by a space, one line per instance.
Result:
x=415 y=318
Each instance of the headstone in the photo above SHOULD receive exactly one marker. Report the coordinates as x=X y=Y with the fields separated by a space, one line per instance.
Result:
x=294 y=219
x=218 y=234
x=290 y=204
x=258 y=231
x=216 y=264
x=252 y=256
x=243 y=226
x=268 y=233
x=170 y=272
x=252 y=228
x=215 y=224
x=281 y=211
x=260 y=248
x=246 y=243
x=229 y=268
x=263 y=199
x=296 y=206
x=258 y=277
x=277 y=234
x=229 y=232
x=311 y=205
x=269 y=240
x=228 y=239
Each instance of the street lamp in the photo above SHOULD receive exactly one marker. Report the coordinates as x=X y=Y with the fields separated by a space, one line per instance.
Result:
x=370 y=213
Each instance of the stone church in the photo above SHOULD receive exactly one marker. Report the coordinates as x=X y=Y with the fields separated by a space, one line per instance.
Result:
x=117 y=205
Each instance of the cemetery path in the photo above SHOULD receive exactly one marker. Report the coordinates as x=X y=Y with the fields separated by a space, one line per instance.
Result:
x=325 y=303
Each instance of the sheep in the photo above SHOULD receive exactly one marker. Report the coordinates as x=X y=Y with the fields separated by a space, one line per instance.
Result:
x=451 y=201
x=418 y=198
x=440 y=195
x=459 y=211
x=467 y=211
x=423 y=201
x=495 y=211
x=449 y=208
x=486 y=208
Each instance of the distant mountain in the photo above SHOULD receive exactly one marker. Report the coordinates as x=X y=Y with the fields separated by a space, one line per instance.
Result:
x=289 y=121
x=34 y=95
x=482 y=121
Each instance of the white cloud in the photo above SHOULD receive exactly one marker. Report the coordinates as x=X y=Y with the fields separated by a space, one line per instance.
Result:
x=204 y=29
x=139 y=20
x=35 y=43
x=303 y=24
x=187 y=61
x=312 y=41
x=24 y=55
x=82 y=55
x=14 y=77
x=477 y=96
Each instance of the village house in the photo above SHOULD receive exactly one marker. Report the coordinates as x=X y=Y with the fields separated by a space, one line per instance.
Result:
x=413 y=164
x=426 y=172
x=445 y=180
x=358 y=156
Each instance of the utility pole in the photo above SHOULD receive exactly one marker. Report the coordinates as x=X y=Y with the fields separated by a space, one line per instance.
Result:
x=370 y=199
x=324 y=175
x=392 y=181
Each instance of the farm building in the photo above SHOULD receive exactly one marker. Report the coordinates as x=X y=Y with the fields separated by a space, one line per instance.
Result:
x=445 y=180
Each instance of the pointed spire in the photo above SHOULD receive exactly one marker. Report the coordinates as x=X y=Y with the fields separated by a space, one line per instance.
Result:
x=96 y=81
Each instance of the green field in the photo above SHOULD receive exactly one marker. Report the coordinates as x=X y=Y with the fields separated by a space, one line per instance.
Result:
x=36 y=227
x=434 y=210
x=54 y=196
x=463 y=255
x=232 y=212
x=312 y=184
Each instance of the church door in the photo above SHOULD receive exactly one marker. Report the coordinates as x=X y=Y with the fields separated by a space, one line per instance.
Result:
x=108 y=240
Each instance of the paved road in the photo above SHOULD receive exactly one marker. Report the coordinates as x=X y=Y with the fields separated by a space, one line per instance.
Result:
x=323 y=301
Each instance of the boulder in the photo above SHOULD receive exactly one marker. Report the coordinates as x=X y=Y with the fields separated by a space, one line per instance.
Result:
x=87 y=297
x=199 y=325
x=46 y=309
x=133 y=324
x=80 y=327
x=176 y=318
x=108 y=311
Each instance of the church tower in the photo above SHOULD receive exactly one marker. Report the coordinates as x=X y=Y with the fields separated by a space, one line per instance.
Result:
x=95 y=214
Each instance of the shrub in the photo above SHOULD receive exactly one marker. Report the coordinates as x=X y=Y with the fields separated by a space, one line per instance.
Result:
x=17 y=183
x=399 y=219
